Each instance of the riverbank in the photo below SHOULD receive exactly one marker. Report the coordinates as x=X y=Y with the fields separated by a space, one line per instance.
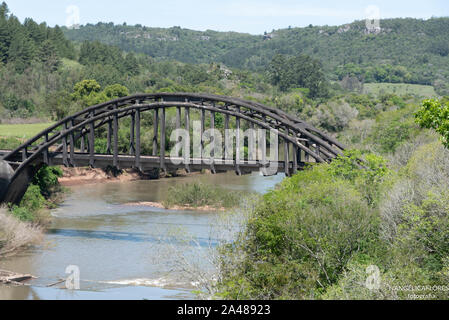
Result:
x=82 y=176
x=160 y=205
x=16 y=234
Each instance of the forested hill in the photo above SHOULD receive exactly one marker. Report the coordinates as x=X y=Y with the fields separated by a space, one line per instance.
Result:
x=20 y=44
x=421 y=47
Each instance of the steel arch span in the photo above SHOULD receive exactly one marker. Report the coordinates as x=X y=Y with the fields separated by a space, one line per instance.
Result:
x=71 y=141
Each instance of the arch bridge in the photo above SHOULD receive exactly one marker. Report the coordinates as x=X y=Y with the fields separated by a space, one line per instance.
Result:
x=72 y=141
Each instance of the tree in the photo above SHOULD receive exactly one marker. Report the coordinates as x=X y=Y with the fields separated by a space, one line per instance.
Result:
x=115 y=91
x=441 y=48
x=131 y=65
x=435 y=115
x=64 y=47
x=301 y=71
x=35 y=31
x=4 y=11
x=21 y=51
x=85 y=88
x=49 y=56
x=5 y=38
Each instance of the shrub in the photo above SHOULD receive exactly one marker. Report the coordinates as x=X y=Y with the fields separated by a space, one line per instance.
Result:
x=200 y=195
x=300 y=237
x=392 y=129
x=47 y=179
x=31 y=204
x=334 y=116
x=435 y=115
x=15 y=234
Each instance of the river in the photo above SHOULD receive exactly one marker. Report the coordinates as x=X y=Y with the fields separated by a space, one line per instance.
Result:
x=125 y=252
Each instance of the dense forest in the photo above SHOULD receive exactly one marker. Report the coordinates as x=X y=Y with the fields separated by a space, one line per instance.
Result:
x=404 y=50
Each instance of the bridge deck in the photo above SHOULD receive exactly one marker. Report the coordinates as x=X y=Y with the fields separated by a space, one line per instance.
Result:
x=151 y=162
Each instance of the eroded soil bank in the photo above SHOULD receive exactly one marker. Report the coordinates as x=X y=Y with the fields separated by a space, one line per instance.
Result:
x=81 y=176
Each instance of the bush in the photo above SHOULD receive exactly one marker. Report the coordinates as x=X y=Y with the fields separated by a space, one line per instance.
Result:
x=300 y=238
x=392 y=129
x=32 y=202
x=435 y=115
x=414 y=219
x=33 y=207
x=334 y=116
x=47 y=180
x=200 y=195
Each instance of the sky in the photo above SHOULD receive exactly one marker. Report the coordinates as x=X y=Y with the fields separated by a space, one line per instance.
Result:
x=249 y=16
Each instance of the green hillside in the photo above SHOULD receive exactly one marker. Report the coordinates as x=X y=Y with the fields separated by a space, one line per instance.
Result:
x=401 y=89
x=405 y=50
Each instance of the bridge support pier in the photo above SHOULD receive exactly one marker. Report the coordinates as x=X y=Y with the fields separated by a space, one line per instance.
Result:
x=12 y=191
x=6 y=173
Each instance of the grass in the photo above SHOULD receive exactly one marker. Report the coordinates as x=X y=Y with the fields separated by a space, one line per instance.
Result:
x=399 y=89
x=200 y=195
x=22 y=131
x=10 y=143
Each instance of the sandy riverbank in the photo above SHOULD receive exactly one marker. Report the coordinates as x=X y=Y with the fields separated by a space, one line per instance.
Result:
x=81 y=176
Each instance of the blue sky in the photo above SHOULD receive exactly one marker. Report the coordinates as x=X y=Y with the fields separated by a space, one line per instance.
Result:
x=253 y=16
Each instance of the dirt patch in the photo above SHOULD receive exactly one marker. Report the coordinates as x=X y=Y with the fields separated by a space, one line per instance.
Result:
x=79 y=176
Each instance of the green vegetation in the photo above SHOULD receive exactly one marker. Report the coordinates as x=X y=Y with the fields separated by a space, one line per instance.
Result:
x=400 y=89
x=22 y=131
x=301 y=236
x=298 y=72
x=435 y=115
x=316 y=236
x=406 y=50
x=10 y=143
x=197 y=195
x=42 y=194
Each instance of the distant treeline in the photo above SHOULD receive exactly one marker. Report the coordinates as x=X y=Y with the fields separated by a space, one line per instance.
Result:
x=417 y=49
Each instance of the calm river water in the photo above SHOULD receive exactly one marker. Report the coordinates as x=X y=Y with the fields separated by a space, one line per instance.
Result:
x=124 y=252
